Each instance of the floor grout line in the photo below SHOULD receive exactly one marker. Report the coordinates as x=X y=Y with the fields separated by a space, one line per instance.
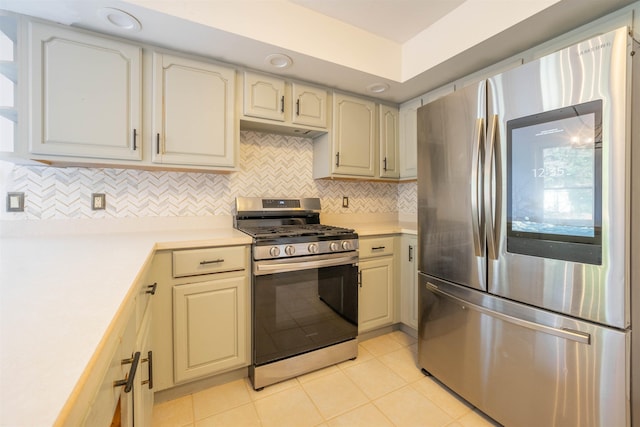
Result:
x=404 y=341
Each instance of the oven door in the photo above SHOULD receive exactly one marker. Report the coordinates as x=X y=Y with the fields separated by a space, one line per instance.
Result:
x=303 y=304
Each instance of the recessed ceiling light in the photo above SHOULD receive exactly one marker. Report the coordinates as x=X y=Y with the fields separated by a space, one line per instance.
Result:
x=119 y=18
x=278 y=60
x=377 y=87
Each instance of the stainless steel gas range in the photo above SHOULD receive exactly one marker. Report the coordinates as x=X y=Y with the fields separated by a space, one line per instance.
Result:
x=304 y=288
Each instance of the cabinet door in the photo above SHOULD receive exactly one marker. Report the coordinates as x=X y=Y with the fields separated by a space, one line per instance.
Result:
x=376 y=294
x=389 y=136
x=143 y=386
x=85 y=95
x=193 y=118
x=309 y=105
x=409 y=282
x=209 y=330
x=409 y=139
x=353 y=136
x=263 y=97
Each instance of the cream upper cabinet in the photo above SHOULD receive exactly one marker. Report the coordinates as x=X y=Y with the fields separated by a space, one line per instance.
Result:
x=84 y=95
x=409 y=138
x=349 y=149
x=273 y=104
x=263 y=96
x=193 y=113
x=309 y=105
x=389 y=142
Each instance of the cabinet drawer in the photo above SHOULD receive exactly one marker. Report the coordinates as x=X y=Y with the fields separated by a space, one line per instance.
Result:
x=377 y=246
x=193 y=262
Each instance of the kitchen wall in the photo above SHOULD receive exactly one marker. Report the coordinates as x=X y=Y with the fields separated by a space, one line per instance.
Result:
x=271 y=165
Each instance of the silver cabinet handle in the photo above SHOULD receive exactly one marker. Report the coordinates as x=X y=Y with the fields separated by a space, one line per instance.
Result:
x=566 y=333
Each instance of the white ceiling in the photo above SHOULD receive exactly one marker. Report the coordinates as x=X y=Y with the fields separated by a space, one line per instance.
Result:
x=396 y=20
x=413 y=46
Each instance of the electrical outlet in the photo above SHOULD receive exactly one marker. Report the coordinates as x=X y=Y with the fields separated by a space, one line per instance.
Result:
x=98 y=201
x=15 y=202
x=345 y=202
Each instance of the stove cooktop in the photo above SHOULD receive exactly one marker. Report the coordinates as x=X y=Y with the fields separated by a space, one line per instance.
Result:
x=298 y=230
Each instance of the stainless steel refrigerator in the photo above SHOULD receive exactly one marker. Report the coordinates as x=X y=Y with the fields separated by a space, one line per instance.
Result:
x=528 y=218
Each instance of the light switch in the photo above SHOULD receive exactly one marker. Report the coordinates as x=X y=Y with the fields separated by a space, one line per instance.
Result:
x=15 y=202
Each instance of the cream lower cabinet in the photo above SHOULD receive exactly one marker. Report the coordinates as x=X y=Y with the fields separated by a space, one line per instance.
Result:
x=209 y=324
x=201 y=314
x=193 y=113
x=132 y=336
x=376 y=304
x=409 y=281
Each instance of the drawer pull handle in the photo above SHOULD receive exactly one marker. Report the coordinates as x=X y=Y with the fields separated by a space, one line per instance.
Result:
x=214 y=261
x=127 y=382
x=151 y=289
x=378 y=248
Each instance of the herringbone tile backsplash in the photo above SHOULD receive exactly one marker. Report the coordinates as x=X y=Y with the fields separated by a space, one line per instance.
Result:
x=271 y=165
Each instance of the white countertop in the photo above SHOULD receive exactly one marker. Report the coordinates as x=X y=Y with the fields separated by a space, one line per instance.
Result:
x=60 y=290
x=58 y=296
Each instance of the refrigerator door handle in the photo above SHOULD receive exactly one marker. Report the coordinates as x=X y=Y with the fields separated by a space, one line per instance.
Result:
x=565 y=333
x=493 y=180
x=477 y=214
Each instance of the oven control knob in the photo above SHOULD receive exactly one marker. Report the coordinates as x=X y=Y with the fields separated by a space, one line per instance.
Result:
x=346 y=245
x=289 y=250
x=313 y=248
x=334 y=246
x=274 y=251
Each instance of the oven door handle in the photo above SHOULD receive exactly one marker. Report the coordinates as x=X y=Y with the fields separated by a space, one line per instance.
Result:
x=266 y=267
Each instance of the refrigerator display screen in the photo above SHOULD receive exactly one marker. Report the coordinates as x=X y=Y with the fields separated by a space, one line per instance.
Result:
x=554 y=199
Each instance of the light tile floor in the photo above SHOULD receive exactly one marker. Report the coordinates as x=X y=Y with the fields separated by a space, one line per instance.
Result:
x=382 y=387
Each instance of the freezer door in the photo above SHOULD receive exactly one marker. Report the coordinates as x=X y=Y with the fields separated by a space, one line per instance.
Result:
x=523 y=366
x=450 y=219
x=556 y=181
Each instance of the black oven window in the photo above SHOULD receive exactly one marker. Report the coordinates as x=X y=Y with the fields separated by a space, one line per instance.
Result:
x=297 y=312
x=554 y=184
